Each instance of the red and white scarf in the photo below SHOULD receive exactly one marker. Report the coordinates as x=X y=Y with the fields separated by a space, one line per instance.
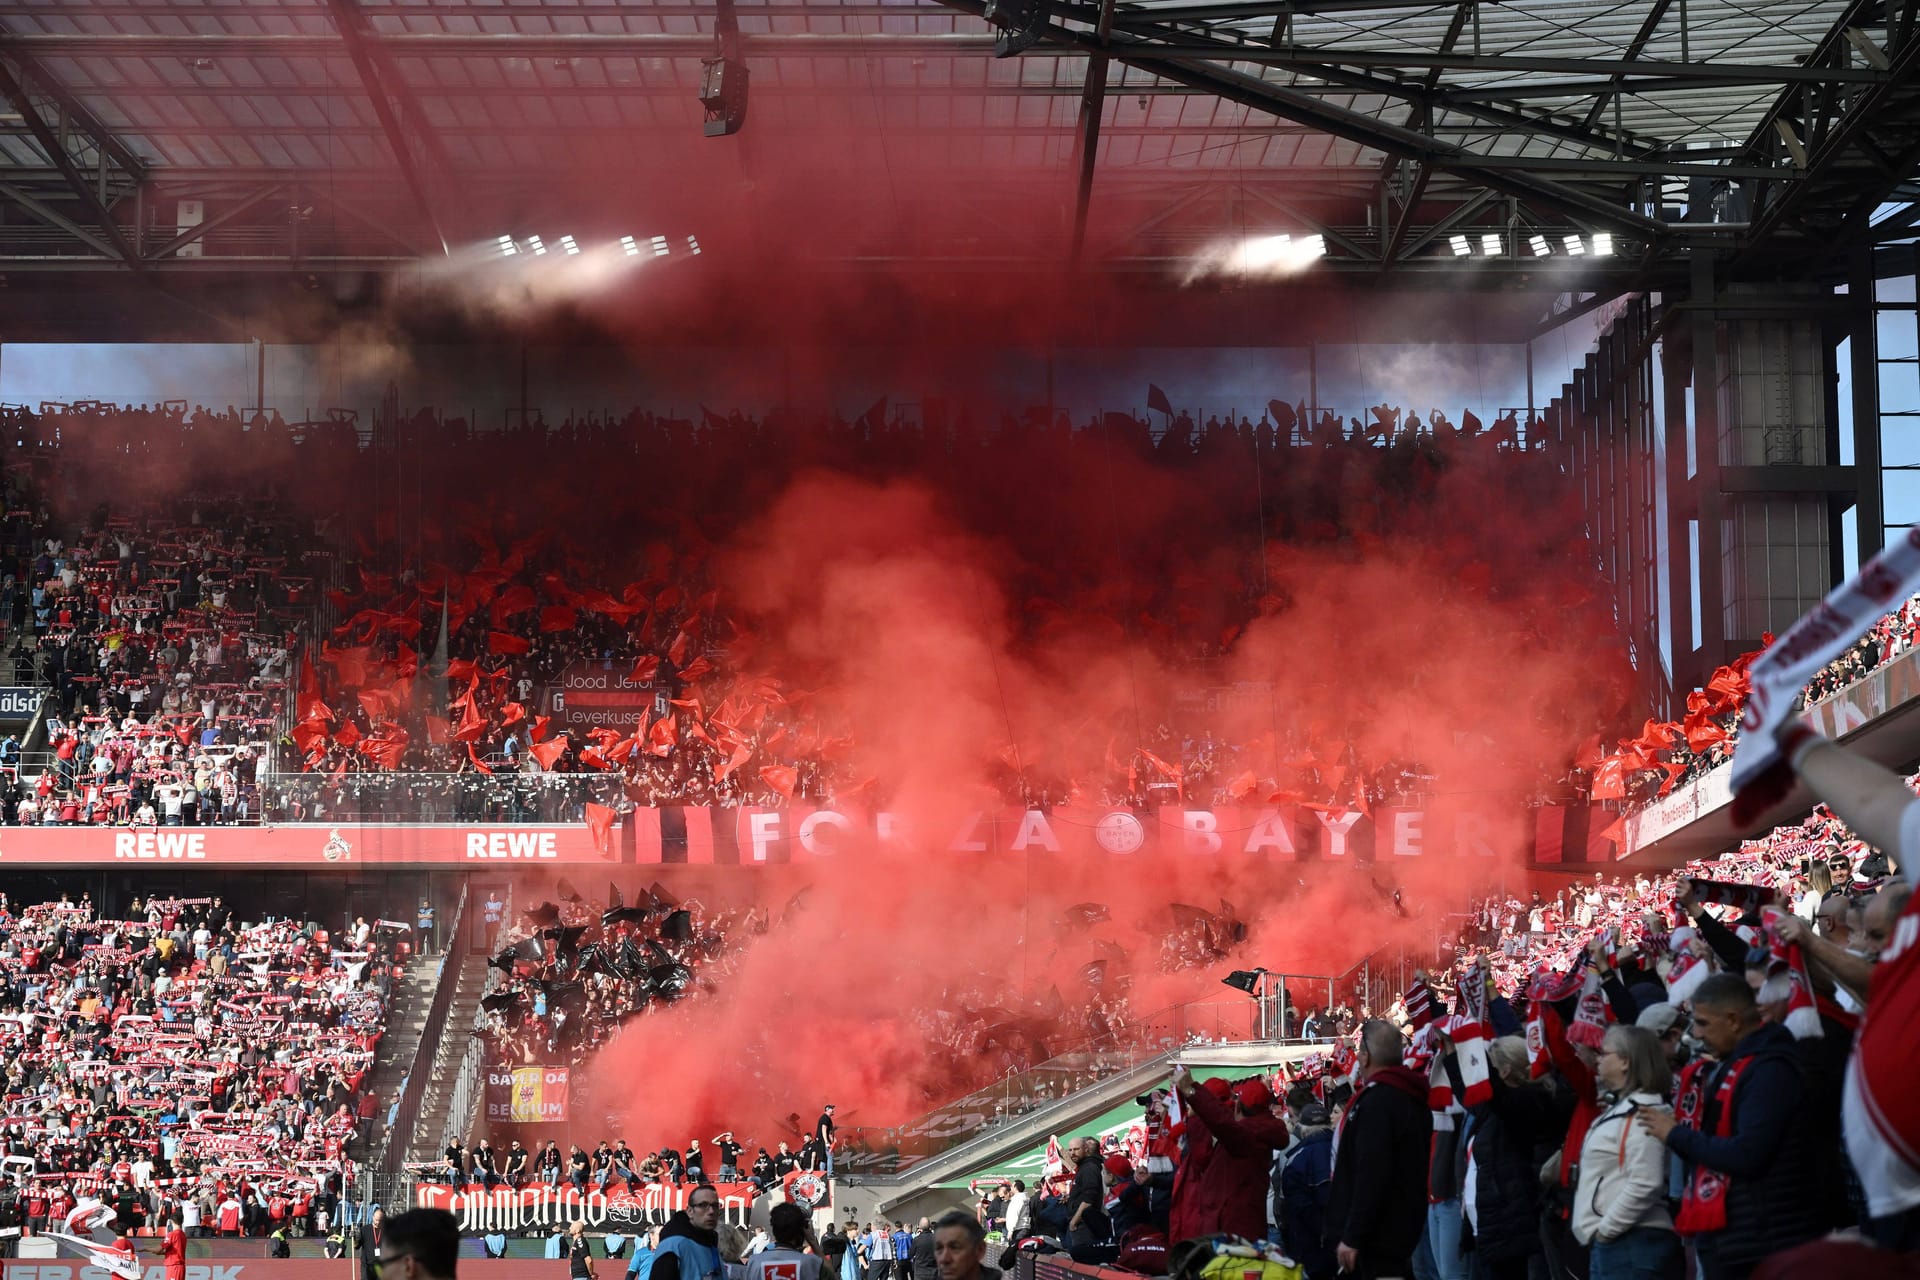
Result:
x=1803 y=1012
x=1782 y=671
x=1470 y=1036
x=1703 y=1205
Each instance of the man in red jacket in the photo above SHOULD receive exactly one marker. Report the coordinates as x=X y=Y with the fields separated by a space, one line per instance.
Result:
x=1230 y=1193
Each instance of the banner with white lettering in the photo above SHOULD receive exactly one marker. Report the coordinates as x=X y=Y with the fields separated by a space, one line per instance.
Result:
x=591 y=695
x=539 y=1208
x=750 y=836
x=344 y=846
x=526 y=1095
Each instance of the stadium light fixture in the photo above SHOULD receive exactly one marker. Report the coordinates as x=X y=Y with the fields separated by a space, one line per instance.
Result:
x=1461 y=248
x=1574 y=246
x=693 y=243
x=539 y=249
x=659 y=246
x=1490 y=245
x=631 y=245
x=566 y=242
x=1603 y=244
x=1540 y=247
x=1315 y=246
x=507 y=247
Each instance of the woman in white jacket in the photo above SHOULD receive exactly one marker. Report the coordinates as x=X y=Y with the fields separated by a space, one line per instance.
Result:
x=1620 y=1203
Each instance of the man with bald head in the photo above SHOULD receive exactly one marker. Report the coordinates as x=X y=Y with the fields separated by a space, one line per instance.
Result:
x=1377 y=1206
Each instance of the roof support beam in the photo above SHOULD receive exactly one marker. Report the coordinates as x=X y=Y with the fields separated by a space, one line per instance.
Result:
x=53 y=217
x=1635 y=47
x=77 y=182
x=380 y=81
x=1093 y=102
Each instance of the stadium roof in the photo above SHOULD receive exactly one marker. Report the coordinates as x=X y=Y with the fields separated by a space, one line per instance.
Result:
x=1414 y=137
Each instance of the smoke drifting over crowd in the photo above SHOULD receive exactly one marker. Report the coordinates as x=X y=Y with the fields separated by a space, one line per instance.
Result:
x=979 y=608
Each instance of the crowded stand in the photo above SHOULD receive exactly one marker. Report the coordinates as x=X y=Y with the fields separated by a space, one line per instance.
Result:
x=464 y=666
x=184 y=1060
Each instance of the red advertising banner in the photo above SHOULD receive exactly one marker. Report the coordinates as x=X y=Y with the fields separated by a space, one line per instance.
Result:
x=536 y=1208
x=527 y=1095
x=750 y=836
x=758 y=837
x=345 y=846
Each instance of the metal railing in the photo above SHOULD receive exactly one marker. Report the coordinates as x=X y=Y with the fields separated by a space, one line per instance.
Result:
x=407 y=1114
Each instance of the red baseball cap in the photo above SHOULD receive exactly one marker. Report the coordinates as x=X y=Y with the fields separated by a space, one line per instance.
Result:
x=1253 y=1094
x=1119 y=1166
x=1218 y=1087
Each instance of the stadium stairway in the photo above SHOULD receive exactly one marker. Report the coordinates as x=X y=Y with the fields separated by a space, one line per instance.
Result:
x=424 y=1143
x=1003 y=1130
x=406 y=1023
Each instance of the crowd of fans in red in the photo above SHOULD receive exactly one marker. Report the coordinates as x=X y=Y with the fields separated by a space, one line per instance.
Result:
x=179 y=1058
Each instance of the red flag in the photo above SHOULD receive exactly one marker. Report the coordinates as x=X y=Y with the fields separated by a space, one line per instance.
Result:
x=542 y=725
x=739 y=757
x=1243 y=786
x=663 y=737
x=386 y=747
x=547 y=752
x=557 y=617
x=780 y=778
x=600 y=823
x=515 y=599
x=503 y=642
x=471 y=755
x=512 y=713
x=677 y=651
x=646 y=669
x=698 y=669
x=1609 y=779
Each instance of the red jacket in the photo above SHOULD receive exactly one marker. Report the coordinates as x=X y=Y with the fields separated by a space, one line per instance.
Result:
x=1229 y=1192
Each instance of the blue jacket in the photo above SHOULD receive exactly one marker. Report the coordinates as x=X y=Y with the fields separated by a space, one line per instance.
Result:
x=902 y=1245
x=1771 y=1205
x=1306 y=1182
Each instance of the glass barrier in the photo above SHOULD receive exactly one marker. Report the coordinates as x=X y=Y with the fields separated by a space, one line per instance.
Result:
x=437 y=797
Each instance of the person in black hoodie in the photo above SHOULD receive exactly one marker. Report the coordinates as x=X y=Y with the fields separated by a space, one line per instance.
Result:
x=1378 y=1203
x=1750 y=1190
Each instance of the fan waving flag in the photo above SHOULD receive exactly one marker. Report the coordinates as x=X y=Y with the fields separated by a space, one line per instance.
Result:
x=1157 y=400
x=1760 y=775
x=600 y=823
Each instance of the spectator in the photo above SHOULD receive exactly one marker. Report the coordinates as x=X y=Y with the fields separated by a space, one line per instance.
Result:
x=1749 y=1188
x=1019 y=1208
x=1087 y=1220
x=789 y=1257
x=1230 y=1192
x=1306 y=1178
x=960 y=1248
x=1377 y=1204
x=689 y=1247
x=1505 y=1141
x=1620 y=1206
x=920 y=1257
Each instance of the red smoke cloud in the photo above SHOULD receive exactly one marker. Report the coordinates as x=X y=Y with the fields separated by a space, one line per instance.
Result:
x=940 y=624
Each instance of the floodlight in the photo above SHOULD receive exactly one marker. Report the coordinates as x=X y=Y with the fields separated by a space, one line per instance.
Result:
x=1460 y=247
x=1491 y=245
x=1574 y=246
x=659 y=246
x=1540 y=249
x=1603 y=244
x=539 y=249
x=631 y=245
x=566 y=242
x=507 y=247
